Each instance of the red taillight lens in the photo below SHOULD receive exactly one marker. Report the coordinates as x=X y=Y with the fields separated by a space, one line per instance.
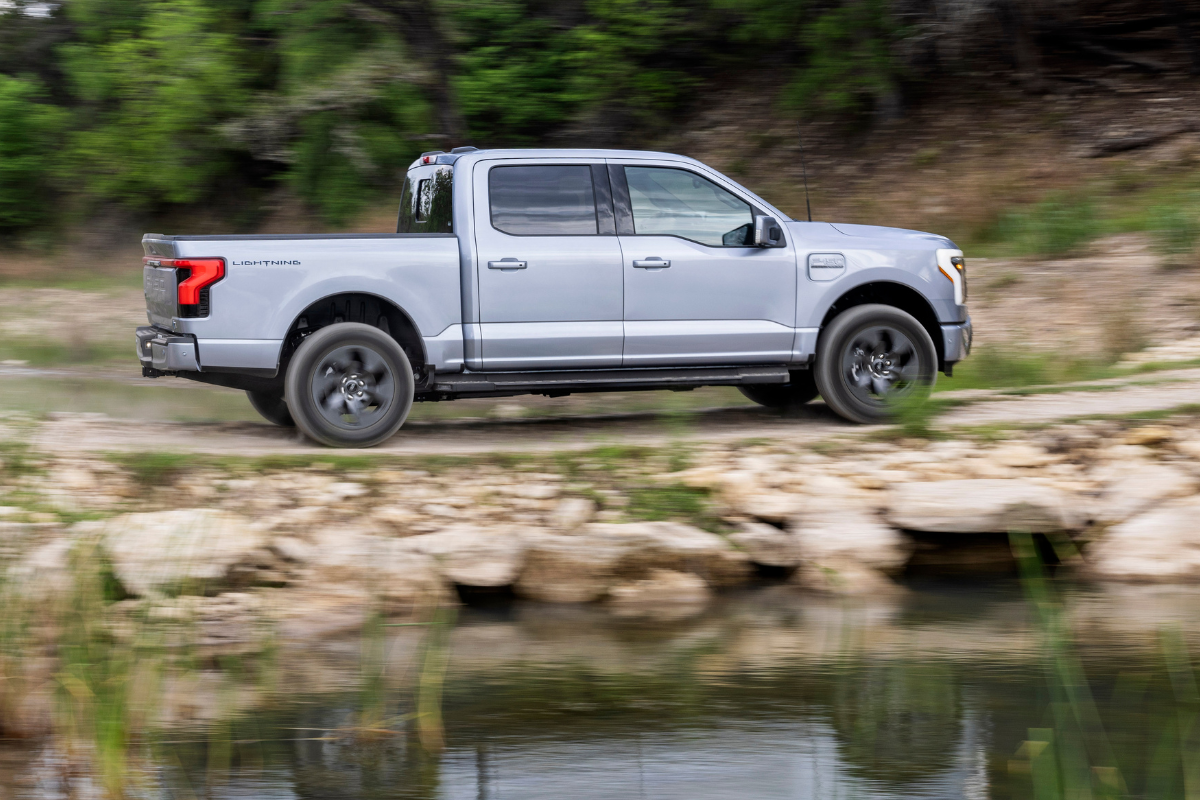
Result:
x=205 y=272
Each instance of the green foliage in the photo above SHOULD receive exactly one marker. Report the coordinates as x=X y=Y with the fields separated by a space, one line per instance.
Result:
x=850 y=65
x=152 y=88
x=1057 y=225
x=29 y=130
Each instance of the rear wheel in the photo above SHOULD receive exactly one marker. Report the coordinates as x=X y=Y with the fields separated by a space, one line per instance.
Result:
x=349 y=385
x=801 y=389
x=870 y=357
x=273 y=408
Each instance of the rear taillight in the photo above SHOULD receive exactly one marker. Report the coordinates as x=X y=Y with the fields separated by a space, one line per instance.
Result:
x=202 y=273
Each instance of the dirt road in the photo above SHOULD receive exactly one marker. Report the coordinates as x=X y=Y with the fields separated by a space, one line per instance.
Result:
x=73 y=433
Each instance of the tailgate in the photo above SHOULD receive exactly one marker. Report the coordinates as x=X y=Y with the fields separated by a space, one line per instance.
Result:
x=162 y=295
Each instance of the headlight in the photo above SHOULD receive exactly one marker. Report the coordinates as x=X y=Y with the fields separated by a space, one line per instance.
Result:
x=960 y=264
x=954 y=267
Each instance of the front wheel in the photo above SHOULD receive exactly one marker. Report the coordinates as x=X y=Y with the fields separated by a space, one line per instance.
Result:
x=801 y=389
x=349 y=385
x=869 y=358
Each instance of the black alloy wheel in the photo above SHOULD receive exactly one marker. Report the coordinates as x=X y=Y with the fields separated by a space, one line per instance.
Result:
x=802 y=389
x=272 y=407
x=349 y=385
x=871 y=357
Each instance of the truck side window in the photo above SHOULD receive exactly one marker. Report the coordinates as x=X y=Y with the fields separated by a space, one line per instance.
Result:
x=427 y=205
x=543 y=200
x=675 y=202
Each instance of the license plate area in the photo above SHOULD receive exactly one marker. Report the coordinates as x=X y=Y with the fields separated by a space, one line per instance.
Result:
x=162 y=295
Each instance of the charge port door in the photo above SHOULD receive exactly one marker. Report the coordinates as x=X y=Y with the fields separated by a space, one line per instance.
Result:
x=162 y=295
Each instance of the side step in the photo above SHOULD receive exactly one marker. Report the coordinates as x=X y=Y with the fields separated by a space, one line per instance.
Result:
x=605 y=379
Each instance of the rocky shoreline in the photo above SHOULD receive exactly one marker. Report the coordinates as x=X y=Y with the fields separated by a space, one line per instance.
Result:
x=313 y=549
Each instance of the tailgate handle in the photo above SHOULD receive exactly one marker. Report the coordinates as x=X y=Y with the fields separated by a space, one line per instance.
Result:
x=506 y=263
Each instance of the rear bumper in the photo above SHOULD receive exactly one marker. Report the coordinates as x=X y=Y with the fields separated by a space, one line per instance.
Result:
x=956 y=341
x=164 y=351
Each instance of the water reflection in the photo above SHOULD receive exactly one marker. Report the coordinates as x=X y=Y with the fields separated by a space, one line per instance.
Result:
x=938 y=693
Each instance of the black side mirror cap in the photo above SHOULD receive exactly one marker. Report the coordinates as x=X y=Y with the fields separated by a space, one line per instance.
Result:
x=767 y=232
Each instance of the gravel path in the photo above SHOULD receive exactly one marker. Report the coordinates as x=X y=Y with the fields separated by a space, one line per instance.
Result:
x=83 y=433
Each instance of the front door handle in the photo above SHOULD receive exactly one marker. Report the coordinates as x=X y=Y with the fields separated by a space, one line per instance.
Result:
x=652 y=263
x=506 y=263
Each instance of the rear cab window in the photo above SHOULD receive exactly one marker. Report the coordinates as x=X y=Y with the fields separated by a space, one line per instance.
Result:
x=427 y=204
x=543 y=200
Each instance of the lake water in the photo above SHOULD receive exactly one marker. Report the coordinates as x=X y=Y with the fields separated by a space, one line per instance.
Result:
x=948 y=690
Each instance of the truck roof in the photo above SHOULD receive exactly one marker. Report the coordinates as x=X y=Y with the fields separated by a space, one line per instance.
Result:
x=468 y=156
x=549 y=152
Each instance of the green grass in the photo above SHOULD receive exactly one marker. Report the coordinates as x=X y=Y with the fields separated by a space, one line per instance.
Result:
x=1165 y=204
x=998 y=368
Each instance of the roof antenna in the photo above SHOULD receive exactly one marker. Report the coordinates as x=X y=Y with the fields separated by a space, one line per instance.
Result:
x=804 y=168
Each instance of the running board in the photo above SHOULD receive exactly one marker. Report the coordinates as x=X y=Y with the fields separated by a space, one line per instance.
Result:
x=605 y=380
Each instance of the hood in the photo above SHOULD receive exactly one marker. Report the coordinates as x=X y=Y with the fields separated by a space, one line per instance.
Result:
x=879 y=232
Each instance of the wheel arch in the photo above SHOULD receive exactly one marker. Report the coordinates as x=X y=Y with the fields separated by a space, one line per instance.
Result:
x=365 y=307
x=897 y=295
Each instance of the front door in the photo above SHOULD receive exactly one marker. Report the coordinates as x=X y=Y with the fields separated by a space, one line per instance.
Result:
x=696 y=290
x=549 y=266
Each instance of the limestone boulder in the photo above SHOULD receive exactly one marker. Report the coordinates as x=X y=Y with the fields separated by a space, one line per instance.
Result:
x=1129 y=491
x=582 y=567
x=984 y=506
x=662 y=592
x=1162 y=544
x=843 y=577
x=397 y=577
x=767 y=545
x=850 y=535
x=191 y=550
x=474 y=555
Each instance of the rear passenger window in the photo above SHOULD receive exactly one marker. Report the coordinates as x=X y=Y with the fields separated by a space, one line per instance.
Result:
x=542 y=200
x=427 y=205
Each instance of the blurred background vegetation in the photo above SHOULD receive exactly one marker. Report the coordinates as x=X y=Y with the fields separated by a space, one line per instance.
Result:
x=136 y=107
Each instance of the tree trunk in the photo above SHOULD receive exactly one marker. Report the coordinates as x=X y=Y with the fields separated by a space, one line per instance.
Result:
x=419 y=24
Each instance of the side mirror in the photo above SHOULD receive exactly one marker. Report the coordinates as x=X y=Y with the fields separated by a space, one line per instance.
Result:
x=767 y=232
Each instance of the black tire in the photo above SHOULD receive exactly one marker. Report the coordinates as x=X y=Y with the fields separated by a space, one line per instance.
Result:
x=869 y=357
x=801 y=390
x=349 y=385
x=273 y=407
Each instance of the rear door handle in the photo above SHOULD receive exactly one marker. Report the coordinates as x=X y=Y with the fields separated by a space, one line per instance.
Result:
x=652 y=263
x=506 y=263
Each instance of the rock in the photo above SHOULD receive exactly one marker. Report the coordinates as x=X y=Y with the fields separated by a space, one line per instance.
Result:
x=767 y=545
x=582 y=567
x=830 y=539
x=1020 y=454
x=1135 y=489
x=45 y=573
x=1162 y=544
x=769 y=506
x=983 y=506
x=843 y=577
x=473 y=555
x=193 y=550
x=293 y=549
x=568 y=569
x=1149 y=435
x=572 y=512
x=661 y=587
x=397 y=577
x=397 y=518
x=1190 y=448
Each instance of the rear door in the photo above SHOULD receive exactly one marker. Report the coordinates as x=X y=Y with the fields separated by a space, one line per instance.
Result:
x=696 y=290
x=549 y=265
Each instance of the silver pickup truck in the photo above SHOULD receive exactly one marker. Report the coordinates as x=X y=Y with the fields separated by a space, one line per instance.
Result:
x=551 y=272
